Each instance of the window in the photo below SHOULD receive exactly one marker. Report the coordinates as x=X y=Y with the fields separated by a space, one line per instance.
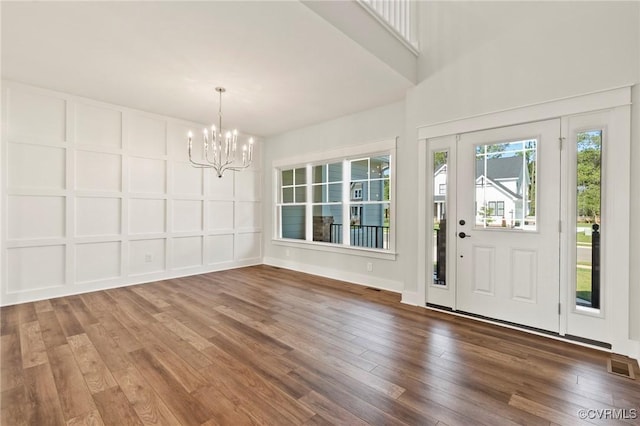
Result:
x=292 y=201
x=506 y=180
x=369 y=226
x=346 y=202
x=327 y=202
x=440 y=174
x=588 y=207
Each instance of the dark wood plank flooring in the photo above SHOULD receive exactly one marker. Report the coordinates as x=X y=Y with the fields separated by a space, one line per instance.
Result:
x=263 y=345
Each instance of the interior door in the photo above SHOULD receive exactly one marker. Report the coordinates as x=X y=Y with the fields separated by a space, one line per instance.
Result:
x=507 y=228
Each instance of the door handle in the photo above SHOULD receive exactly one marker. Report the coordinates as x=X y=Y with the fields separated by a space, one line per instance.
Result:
x=463 y=235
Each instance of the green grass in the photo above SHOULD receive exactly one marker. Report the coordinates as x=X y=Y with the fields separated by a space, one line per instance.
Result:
x=583 y=285
x=582 y=238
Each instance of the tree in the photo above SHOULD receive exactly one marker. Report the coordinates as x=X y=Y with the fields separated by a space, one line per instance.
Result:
x=439 y=159
x=589 y=157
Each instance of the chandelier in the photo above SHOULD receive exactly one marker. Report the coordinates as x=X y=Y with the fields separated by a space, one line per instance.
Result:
x=220 y=147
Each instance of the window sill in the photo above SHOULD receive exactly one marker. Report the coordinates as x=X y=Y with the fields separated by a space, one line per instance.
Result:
x=335 y=248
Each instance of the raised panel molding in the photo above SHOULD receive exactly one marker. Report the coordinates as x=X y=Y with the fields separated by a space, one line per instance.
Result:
x=98 y=171
x=524 y=275
x=98 y=196
x=147 y=136
x=97 y=261
x=36 y=166
x=98 y=126
x=26 y=107
x=484 y=270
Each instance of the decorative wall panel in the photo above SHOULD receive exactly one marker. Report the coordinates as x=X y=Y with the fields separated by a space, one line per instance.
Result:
x=37 y=166
x=220 y=215
x=35 y=268
x=147 y=256
x=98 y=171
x=96 y=216
x=147 y=136
x=220 y=249
x=187 y=252
x=147 y=216
x=98 y=126
x=147 y=176
x=97 y=261
x=27 y=221
x=96 y=196
x=187 y=216
x=29 y=107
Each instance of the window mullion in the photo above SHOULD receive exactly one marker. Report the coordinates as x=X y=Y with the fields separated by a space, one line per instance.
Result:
x=308 y=209
x=346 y=207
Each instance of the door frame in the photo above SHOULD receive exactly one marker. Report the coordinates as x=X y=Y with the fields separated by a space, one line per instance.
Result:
x=618 y=102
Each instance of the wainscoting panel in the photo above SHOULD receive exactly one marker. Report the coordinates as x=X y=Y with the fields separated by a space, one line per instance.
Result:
x=187 y=252
x=220 y=215
x=29 y=107
x=147 y=135
x=220 y=249
x=97 y=261
x=98 y=126
x=187 y=216
x=98 y=171
x=187 y=180
x=98 y=216
x=98 y=196
x=35 y=268
x=28 y=221
x=147 y=256
x=37 y=166
x=147 y=176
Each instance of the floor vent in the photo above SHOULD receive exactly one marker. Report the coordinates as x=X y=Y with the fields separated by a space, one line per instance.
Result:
x=621 y=368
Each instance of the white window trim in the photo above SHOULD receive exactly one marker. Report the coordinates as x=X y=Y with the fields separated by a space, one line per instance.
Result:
x=345 y=154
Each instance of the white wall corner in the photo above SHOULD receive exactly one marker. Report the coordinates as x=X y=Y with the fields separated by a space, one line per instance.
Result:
x=411 y=298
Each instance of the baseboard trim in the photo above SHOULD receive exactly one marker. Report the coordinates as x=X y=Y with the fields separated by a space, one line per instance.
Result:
x=411 y=298
x=336 y=274
x=82 y=288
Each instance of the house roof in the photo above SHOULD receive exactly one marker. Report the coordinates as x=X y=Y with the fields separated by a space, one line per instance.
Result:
x=500 y=168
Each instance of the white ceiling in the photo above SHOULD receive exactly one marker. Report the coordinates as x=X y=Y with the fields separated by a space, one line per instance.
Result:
x=284 y=67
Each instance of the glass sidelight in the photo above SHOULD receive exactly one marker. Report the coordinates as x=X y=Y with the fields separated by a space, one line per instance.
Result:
x=588 y=208
x=440 y=178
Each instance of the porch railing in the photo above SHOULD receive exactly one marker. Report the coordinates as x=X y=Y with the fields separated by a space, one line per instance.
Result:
x=372 y=236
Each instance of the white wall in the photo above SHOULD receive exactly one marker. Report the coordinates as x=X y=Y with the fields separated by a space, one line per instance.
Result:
x=368 y=126
x=97 y=196
x=634 y=253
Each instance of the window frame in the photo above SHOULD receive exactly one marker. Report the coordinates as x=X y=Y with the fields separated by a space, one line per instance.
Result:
x=344 y=155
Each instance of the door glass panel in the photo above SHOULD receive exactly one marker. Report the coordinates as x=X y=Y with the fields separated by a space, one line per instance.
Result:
x=440 y=178
x=505 y=195
x=588 y=196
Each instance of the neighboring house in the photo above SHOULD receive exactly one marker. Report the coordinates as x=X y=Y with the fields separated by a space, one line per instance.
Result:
x=499 y=192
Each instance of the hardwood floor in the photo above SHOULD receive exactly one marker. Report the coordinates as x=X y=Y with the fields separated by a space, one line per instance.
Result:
x=262 y=345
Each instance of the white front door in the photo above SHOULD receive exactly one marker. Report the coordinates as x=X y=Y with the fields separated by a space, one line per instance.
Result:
x=507 y=224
